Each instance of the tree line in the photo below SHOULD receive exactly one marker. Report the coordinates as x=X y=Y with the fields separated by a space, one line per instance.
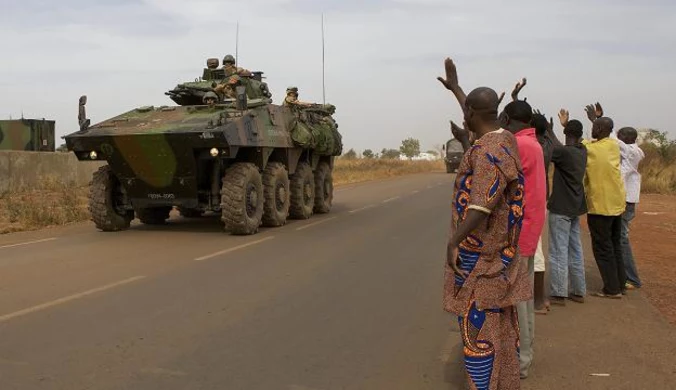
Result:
x=410 y=147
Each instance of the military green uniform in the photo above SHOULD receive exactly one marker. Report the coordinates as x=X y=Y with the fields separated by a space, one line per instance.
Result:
x=230 y=69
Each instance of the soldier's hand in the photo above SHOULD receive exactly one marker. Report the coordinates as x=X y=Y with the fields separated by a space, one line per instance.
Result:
x=451 y=80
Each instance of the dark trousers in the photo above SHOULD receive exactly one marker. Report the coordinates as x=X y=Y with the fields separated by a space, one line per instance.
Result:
x=606 y=237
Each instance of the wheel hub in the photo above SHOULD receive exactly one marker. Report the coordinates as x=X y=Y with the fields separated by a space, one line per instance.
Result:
x=251 y=200
x=280 y=197
x=307 y=192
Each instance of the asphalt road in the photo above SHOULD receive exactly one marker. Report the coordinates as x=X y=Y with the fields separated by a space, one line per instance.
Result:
x=347 y=300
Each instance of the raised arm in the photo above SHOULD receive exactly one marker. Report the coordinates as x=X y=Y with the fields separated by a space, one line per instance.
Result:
x=461 y=134
x=517 y=88
x=451 y=82
x=594 y=111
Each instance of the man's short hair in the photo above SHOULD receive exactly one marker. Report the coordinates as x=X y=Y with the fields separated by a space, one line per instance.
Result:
x=629 y=133
x=520 y=111
x=540 y=123
x=573 y=128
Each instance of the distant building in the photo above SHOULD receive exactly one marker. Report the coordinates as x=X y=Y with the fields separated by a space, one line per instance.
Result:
x=27 y=134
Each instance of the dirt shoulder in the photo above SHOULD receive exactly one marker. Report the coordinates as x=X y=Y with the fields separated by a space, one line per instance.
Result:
x=653 y=239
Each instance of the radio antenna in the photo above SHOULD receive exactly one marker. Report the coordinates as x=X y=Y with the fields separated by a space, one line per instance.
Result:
x=237 y=45
x=323 y=65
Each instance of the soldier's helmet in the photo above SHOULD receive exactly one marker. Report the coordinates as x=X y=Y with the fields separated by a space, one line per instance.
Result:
x=209 y=95
x=212 y=63
x=292 y=90
x=228 y=59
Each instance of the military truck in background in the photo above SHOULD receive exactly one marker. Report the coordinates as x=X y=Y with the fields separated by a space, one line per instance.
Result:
x=35 y=135
x=453 y=153
x=254 y=162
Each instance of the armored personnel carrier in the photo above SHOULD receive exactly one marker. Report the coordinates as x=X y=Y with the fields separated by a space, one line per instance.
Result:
x=234 y=152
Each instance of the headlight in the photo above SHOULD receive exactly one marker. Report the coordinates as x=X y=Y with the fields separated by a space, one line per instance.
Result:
x=213 y=152
x=93 y=155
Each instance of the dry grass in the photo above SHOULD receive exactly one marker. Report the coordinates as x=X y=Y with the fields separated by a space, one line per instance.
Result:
x=658 y=170
x=56 y=203
x=358 y=170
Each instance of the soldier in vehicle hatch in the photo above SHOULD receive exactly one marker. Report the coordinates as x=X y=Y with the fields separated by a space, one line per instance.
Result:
x=292 y=98
x=227 y=87
x=210 y=98
x=230 y=68
x=212 y=63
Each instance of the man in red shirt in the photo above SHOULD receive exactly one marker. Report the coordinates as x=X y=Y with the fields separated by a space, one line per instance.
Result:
x=517 y=118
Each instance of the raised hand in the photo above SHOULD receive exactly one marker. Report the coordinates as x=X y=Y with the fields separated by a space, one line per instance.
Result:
x=591 y=112
x=451 y=80
x=564 y=117
x=598 y=110
x=517 y=88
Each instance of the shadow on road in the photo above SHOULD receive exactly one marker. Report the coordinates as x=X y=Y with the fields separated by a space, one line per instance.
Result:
x=211 y=223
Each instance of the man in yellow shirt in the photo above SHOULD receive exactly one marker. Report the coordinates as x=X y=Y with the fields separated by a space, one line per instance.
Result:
x=605 y=194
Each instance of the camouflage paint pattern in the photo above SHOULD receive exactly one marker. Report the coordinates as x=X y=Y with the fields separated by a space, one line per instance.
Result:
x=160 y=154
x=27 y=134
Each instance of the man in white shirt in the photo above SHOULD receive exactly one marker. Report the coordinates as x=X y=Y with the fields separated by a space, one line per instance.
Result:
x=630 y=156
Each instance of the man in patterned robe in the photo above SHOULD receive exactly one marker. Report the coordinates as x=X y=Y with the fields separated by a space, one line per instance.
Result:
x=484 y=278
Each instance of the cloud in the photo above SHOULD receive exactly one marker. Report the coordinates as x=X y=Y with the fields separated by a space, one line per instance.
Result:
x=382 y=56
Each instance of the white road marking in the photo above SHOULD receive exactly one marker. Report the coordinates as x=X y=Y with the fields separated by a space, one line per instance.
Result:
x=61 y=301
x=315 y=223
x=391 y=199
x=234 y=248
x=28 y=243
x=362 y=209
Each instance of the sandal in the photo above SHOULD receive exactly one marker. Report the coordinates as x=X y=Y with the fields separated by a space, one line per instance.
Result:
x=560 y=301
x=576 y=298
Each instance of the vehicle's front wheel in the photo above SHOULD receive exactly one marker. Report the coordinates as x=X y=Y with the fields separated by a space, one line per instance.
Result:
x=105 y=200
x=242 y=199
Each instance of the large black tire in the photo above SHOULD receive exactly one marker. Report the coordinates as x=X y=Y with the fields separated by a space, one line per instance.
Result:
x=190 y=213
x=103 y=189
x=302 y=192
x=323 y=189
x=242 y=199
x=276 y=190
x=154 y=215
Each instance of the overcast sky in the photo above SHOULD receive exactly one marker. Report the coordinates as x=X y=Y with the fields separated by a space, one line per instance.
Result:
x=382 y=57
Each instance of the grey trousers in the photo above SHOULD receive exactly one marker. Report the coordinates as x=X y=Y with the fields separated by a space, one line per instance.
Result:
x=526 y=314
